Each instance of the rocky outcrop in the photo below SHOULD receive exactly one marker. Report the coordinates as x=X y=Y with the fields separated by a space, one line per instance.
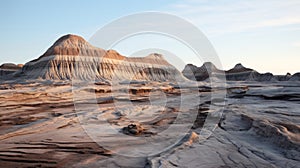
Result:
x=189 y=71
x=241 y=73
x=295 y=77
x=72 y=57
x=193 y=72
x=283 y=77
x=9 y=68
x=237 y=73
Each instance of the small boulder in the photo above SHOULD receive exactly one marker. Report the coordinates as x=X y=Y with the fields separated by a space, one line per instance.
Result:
x=133 y=129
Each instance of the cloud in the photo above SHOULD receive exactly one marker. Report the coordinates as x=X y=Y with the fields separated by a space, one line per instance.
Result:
x=230 y=16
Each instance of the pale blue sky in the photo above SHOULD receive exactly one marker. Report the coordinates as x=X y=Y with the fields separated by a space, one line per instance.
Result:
x=263 y=35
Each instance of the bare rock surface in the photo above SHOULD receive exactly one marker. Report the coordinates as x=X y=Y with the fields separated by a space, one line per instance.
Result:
x=41 y=127
x=255 y=131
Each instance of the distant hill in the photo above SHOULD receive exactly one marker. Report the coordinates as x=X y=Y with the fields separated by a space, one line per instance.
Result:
x=9 y=68
x=237 y=73
x=72 y=57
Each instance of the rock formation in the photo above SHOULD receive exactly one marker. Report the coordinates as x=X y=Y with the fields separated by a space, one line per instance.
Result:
x=237 y=73
x=9 y=68
x=72 y=57
x=283 y=77
x=200 y=73
x=295 y=77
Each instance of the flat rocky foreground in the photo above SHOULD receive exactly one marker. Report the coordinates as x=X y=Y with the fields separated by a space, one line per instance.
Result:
x=57 y=124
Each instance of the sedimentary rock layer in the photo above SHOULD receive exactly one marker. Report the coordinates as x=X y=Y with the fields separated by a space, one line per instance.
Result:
x=72 y=57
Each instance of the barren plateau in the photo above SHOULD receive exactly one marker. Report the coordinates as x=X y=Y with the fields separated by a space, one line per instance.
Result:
x=41 y=127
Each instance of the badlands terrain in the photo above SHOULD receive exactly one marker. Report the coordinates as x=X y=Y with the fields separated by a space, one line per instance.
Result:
x=81 y=106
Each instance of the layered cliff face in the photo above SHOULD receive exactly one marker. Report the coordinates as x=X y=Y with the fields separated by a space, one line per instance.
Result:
x=71 y=57
x=237 y=73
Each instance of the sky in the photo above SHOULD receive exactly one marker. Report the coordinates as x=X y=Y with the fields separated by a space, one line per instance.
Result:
x=263 y=35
